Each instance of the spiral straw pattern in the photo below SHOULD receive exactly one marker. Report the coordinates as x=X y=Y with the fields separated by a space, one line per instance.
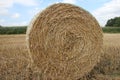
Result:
x=64 y=41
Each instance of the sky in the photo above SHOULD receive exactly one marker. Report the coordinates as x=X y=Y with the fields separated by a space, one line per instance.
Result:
x=21 y=12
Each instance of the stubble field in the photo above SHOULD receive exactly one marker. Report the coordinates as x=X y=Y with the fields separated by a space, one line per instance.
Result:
x=14 y=60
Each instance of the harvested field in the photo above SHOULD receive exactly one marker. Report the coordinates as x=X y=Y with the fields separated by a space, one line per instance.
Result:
x=14 y=59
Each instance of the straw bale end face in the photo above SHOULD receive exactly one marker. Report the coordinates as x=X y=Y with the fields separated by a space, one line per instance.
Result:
x=64 y=41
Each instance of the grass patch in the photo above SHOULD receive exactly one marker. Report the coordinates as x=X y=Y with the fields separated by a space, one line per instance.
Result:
x=111 y=29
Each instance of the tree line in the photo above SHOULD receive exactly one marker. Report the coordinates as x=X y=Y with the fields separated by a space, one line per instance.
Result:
x=13 y=30
x=113 y=22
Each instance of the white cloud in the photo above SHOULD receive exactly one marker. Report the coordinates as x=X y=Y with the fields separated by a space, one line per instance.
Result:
x=70 y=1
x=9 y=3
x=107 y=11
x=16 y=15
x=6 y=4
x=3 y=12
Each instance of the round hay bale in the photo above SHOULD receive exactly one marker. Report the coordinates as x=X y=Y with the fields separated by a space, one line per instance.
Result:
x=64 y=41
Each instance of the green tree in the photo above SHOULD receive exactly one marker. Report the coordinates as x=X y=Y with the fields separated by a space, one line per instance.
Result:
x=115 y=22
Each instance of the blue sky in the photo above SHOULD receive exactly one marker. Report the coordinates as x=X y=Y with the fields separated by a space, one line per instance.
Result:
x=20 y=12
